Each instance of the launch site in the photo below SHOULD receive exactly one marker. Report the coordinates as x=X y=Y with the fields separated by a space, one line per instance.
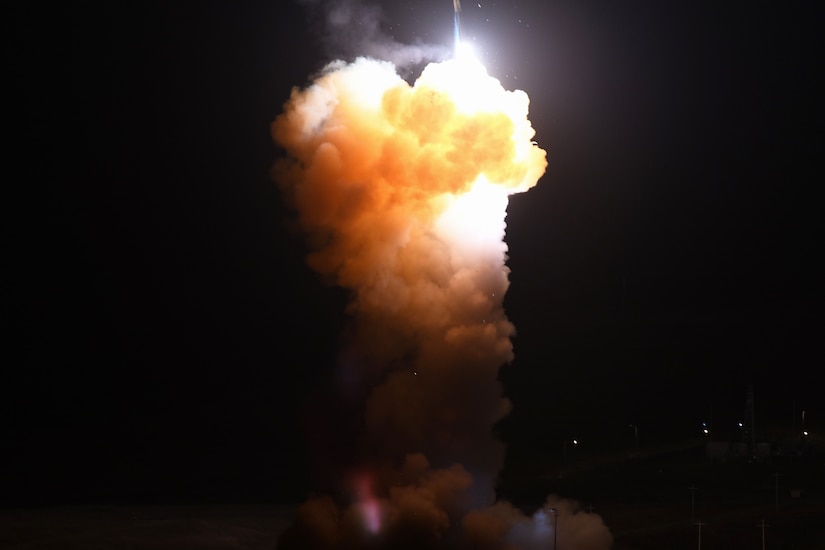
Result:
x=361 y=274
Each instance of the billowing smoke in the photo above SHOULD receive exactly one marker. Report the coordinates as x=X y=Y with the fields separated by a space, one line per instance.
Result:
x=352 y=27
x=402 y=193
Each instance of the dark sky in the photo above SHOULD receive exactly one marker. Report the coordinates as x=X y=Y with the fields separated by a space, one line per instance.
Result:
x=165 y=334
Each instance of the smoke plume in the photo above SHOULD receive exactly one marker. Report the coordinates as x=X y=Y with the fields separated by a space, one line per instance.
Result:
x=401 y=191
x=352 y=28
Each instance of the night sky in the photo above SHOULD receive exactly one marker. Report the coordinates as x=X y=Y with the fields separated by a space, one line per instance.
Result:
x=166 y=337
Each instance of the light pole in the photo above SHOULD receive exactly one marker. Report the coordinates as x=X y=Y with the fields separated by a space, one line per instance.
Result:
x=692 y=489
x=762 y=525
x=564 y=450
x=776 y=475
x=555 y=514
x=700 y=524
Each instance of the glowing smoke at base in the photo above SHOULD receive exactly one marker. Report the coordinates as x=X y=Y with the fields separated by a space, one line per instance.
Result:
x=402 y=193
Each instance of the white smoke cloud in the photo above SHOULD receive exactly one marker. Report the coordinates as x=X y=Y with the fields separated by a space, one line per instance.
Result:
x=401 y=191
x=352 y=28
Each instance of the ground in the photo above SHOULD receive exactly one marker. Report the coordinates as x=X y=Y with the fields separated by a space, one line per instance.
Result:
x=644 y=499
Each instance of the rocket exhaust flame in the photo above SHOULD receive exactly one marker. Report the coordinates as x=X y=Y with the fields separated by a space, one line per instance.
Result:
x=402 y=193
x=457 y=24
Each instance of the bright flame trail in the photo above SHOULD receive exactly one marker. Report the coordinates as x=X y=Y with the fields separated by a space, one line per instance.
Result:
x=402 y=193
x=457 y=24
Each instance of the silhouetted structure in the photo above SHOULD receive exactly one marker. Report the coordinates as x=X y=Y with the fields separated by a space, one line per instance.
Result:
x=748 y=427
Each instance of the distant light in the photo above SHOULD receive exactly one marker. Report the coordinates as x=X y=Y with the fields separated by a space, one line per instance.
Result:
x=575 y=442
x=805 y=432
x=739 y=424
x=704 y=424
x=705 y=430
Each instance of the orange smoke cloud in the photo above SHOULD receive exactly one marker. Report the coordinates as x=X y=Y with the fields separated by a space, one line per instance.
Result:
x=401 y=191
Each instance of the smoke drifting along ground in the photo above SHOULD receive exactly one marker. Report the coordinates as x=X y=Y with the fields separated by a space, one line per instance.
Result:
x=402 y=193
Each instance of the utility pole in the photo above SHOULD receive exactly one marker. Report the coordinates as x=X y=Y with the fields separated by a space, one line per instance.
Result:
x=776 y=476
x=762 y=525
x=707 y=425
x=700 y=524
x=692 y=490
x=749 y=432
x=793 y=417
x=555 y=513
